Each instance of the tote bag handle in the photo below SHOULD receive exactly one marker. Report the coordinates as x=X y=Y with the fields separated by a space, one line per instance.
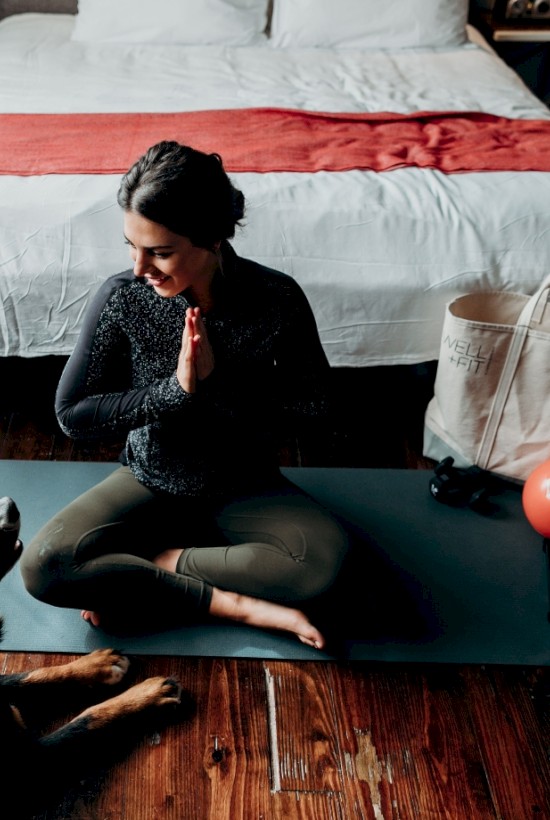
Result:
x=532 y=313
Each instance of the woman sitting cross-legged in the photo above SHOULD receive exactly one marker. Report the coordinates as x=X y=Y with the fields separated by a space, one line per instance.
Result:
x=198 y=357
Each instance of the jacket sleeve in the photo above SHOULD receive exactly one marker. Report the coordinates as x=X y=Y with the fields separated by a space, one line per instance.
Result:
x=95 y=396
x=301 y=367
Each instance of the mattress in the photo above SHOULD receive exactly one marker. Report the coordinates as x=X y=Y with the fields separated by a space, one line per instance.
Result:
x=378 y=254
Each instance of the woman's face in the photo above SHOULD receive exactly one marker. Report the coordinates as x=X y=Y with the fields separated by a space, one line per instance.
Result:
x=168 y=261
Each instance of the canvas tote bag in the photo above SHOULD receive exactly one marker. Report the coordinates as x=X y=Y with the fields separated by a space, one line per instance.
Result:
x=491 y=403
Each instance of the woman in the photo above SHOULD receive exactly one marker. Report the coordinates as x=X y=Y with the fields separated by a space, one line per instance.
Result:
x=197 y=356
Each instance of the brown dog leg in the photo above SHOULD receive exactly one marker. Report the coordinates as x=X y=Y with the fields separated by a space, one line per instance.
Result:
x=99 y=668
x=92 y=742
x=149 y=695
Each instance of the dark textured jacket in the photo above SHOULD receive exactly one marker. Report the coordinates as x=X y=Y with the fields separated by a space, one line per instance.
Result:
x=270 y=370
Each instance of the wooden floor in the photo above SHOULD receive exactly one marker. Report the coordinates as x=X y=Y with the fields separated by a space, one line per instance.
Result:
x=315 y=740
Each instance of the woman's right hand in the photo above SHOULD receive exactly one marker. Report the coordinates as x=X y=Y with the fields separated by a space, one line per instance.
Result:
x=196 y=359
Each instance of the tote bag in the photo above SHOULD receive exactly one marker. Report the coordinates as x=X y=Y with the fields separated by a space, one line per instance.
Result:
x=491 y=403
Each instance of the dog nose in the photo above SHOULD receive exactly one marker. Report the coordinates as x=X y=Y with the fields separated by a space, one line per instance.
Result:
x=9 y=515
x=10 y=524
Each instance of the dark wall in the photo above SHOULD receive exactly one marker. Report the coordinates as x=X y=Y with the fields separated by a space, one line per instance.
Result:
x=18 y=6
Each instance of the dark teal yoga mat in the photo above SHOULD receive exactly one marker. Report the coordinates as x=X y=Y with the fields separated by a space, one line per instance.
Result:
x=424 y=582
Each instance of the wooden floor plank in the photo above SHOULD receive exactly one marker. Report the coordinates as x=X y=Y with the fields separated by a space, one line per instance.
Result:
x=235 y=747
x=302 y=724
x=509 y=737
x=302 y=805
x=407 y=731
x=371 y=791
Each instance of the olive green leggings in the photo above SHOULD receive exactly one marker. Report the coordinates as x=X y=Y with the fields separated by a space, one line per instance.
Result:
x=97 y=552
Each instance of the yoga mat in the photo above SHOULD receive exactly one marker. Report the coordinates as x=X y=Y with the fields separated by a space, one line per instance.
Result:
x=424 y=582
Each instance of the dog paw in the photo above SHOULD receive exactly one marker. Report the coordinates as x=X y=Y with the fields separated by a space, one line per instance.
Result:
x=103 y=666
x=153 y=693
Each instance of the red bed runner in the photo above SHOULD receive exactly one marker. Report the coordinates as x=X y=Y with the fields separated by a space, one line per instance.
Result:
x=276 y=139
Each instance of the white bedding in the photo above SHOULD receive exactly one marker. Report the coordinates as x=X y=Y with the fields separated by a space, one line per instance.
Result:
x=378 y=254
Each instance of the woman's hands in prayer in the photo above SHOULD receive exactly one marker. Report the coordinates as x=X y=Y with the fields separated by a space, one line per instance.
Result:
x=196 y=359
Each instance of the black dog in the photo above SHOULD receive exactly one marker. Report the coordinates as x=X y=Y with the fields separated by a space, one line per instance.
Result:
x=37 y=766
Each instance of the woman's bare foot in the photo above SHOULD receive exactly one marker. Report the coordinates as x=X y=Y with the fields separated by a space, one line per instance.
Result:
x=249 y=610
x=92 y=618
x=266 y=614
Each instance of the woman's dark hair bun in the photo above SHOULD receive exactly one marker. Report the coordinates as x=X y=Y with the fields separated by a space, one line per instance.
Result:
x=238 y=205
x=187 y=191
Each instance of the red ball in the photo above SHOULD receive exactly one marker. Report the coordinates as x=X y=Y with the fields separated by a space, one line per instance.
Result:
x=536 y=499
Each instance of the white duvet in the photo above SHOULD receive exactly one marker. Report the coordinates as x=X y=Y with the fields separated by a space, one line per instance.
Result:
x=378 y=254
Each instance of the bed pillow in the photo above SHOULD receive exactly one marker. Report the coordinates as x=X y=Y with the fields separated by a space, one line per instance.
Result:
x=368 y=23
x=188 y=22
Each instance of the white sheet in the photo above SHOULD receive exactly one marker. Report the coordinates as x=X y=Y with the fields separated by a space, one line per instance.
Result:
x=378 y=255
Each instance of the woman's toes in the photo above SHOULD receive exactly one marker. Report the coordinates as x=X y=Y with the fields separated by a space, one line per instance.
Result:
x=90 y=617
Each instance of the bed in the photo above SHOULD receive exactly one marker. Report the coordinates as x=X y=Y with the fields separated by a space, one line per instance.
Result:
x=378 y=253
